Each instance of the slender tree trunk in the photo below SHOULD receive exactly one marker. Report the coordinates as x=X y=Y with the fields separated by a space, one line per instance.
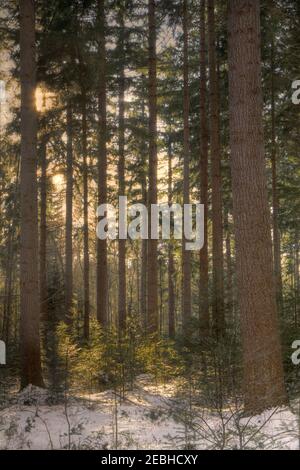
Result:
x=229 y=268
x=275 y=201
x=186 y=254
x=216 y=183
x=263 y=371
x=7 y=303
x=297 y=277
x=144 y=264
x=152 y=297
x=30 y=354
x=121 y=174
x=102 y=273
x=203 y=288
x=171 y=269
x=43 y=230
x=144 y=248
x=69 y=218
x=86 y=253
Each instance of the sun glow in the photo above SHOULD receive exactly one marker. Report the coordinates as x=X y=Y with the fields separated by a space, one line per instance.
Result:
x=44 y=99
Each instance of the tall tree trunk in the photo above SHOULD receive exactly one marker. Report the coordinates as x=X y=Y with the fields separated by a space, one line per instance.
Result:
x=30 y=354
x=69 y=218
x=102 y=273
x=216 y=183
x=121 y=174
x=275 y=201
x=86 y=254
x=171 y=270
x=152 y=297
x=229 y=269
x=296 y=277
x=144 y=248
x=144 y=264
x=203 y=288
x=186 y=254
x=43 y=229
x=263 y=371
x=7 y=302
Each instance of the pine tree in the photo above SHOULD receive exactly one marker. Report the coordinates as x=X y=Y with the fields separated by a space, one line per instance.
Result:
x=31 y=372
x=152 y=278
x=263 y=372
x=216 y=183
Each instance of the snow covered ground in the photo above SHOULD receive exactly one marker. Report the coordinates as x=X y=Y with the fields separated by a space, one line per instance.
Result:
x=151 y=417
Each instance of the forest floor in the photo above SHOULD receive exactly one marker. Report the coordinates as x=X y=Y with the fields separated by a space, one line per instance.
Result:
x=150 y=417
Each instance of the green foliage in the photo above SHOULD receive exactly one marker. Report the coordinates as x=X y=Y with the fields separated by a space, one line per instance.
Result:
x=160 y=358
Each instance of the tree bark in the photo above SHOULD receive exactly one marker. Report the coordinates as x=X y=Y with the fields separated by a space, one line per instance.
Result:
x=69 y=219
x=229 y=270
x=121 y=175
x=152 y=285
x=216 y=183
x=102 y=273
x=86 y=253
x=263 y=370
x=203 y=288
x=171 y=269
x=31 y=372
x=43 y=229
x=144 y=264
x=186 y=254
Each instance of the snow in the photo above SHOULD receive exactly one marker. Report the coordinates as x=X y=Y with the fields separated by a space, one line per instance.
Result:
x=150 y=417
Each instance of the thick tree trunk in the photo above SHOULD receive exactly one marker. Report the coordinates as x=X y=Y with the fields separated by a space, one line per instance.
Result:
x=102 y=273
x=43 y=229
x=203 y=288
x=31 y=372
x=69 y=219
x=171 y=268
x=186 y=254
x=216 y=183
x=121 y=174
x=152 y=294
x=275 y=200
x=263 y=371
x=86 y=253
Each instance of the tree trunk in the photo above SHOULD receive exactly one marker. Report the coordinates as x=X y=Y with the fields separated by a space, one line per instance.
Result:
x=203 y=288
x=229 y=270
x=263 y=371
x=171 y=270
x=152 y=297
x=275 y=201
x=43 y=230
x=86 y=254
x=217 y=231
x=186 y=254
x=144 y=248
x=69 y=218
x=121 y=174
x=102 y=275
x=144 y=264
x=7 y=303
x=30 y=354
